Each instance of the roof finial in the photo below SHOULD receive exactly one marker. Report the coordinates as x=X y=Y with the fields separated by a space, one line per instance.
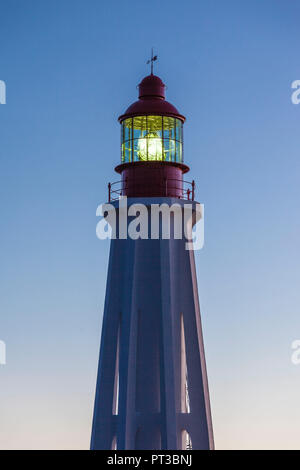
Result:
x=150 y=61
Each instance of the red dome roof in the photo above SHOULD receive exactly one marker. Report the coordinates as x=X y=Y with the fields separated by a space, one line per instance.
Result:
x=151 y=100
x=152 y=86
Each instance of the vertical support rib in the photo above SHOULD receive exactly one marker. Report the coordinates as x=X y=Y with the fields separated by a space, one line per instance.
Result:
x=103 y=425
x=169 y=389
x=126 y=421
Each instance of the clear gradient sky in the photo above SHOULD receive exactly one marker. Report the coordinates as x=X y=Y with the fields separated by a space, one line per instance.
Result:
x=71 y=67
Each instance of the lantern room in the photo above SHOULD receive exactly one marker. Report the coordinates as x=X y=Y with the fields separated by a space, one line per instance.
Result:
x=151 y=138
x=151 y=145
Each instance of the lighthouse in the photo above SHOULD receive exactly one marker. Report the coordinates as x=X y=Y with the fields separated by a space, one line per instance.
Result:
x=152 y=389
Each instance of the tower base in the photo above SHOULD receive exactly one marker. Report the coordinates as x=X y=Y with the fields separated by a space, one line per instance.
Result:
x=152 y=390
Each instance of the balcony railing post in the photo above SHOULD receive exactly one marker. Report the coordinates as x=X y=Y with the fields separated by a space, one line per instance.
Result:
x=109 y=191
x=193 y=190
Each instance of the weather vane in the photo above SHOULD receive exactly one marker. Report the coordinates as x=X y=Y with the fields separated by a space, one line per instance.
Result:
x=150 y=61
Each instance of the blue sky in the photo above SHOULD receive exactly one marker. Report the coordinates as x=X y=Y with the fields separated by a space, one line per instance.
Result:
x=71 y=67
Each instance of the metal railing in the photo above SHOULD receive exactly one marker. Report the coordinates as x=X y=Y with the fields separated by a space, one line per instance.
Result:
x=170 y=188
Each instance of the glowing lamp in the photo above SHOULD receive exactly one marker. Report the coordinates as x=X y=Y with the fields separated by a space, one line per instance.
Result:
x=150 y=147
